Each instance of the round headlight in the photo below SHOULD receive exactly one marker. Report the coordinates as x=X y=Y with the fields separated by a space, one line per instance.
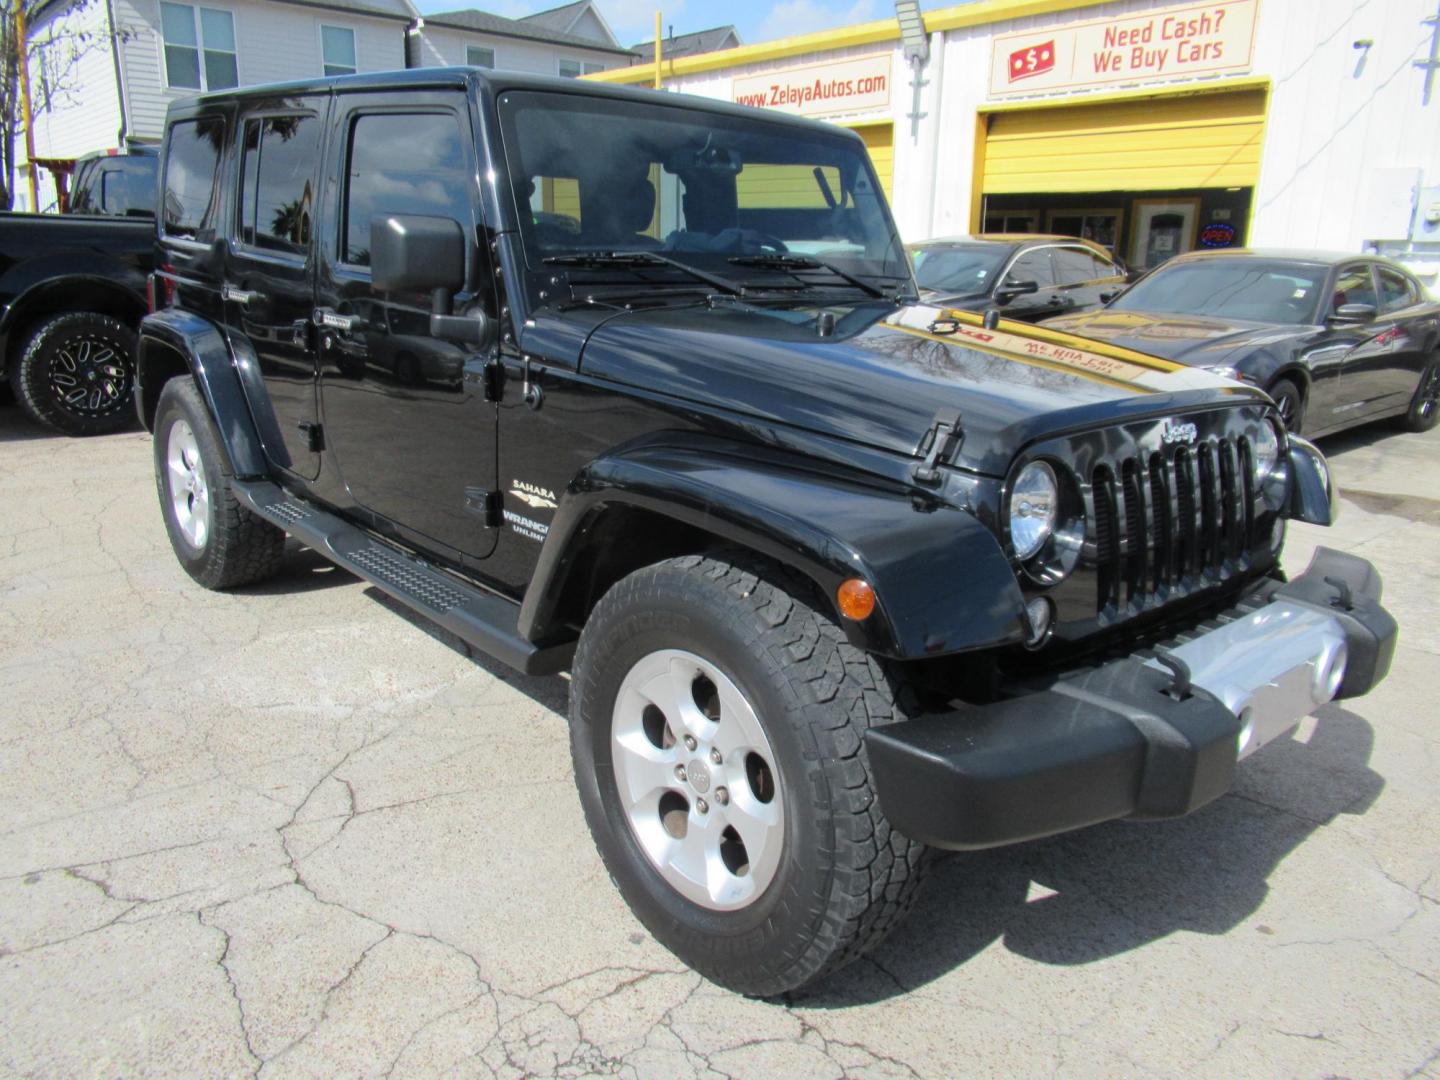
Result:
x=1033 y=505
x=1266 y=448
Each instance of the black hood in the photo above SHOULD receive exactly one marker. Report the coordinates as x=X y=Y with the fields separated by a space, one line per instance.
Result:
x=1195 y=340
x=885 y=376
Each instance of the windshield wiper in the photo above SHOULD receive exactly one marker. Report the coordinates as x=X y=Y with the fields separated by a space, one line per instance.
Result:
x=644 y=258
x=807 y=262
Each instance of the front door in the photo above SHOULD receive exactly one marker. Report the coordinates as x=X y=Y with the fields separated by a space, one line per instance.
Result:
x=405 y=412
x=269 y=281
x=1033 y=265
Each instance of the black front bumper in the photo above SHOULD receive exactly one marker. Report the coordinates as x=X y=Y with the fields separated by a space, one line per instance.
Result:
x=1117 y=741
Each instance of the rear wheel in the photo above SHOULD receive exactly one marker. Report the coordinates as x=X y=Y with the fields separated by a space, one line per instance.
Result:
x=717 y=728
x=1290 y=403
x=218 y=541
x=77 y=374
x=1424 y=408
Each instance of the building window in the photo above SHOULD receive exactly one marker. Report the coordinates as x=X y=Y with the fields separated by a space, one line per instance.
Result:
x=199 y=47
x=573 y=69
x=476 y=56
x=337 y=50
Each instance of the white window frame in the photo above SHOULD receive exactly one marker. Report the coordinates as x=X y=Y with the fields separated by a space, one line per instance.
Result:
x=351 y=69
x=469 y=61
x=200 y=47
x=584 y=67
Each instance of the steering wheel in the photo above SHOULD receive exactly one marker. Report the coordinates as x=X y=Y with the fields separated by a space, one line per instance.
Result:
x=766 y=241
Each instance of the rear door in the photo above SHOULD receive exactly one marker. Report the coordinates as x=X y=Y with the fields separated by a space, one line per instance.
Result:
x=1407 y=331
x=405 y=412
x=270 y=280
x=1081 y=277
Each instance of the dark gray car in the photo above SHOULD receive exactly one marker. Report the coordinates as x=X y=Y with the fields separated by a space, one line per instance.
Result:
x=1336 y=339
x=1026 y=276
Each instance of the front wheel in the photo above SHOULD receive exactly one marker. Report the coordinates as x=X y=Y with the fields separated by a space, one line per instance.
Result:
x=1289 y=403
x=717 y=729
x=77 y=374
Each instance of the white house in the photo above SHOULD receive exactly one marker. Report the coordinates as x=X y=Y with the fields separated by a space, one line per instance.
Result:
x=571 y=41
x=103 y=72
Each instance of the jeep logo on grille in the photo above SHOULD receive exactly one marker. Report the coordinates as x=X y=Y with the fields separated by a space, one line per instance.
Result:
x=1176 y=432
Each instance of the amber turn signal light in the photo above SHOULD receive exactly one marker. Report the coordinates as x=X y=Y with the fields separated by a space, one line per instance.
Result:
x=855 y=598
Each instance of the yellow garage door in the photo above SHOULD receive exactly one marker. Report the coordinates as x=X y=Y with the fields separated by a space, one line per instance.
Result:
x=880 y=141
x=1149 y=144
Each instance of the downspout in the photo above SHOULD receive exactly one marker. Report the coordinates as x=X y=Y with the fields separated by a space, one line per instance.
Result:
x=937 y=123
x=119 y=73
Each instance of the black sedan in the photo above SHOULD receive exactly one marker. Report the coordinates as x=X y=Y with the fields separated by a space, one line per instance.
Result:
x=1025 y=276
x=1336 y=339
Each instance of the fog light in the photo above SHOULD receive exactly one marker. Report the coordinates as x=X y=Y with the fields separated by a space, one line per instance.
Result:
x=1039 y=611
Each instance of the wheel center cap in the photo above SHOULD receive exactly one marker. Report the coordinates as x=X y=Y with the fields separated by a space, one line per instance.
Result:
x=699 y=775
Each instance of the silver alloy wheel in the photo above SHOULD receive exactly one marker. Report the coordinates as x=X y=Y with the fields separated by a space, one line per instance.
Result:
x=697 y=779
x=189 y=494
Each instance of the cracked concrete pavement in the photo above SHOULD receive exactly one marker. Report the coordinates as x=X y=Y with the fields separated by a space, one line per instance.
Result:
x=292 y=832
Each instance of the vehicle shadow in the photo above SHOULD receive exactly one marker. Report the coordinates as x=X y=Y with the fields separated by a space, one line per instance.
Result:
x=302 y=570
x=16 y=425
x=1093 y=894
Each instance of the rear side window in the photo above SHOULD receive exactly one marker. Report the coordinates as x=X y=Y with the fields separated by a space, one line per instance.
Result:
x=127 y=188
x=192 y=159
x=402 y=164
x=1397 y=292
x=277 y=182
x=1074 y=265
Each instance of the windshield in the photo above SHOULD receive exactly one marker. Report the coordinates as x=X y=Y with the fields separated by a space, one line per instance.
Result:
x=957 y=268
x=600 y=175
x=1246 y=289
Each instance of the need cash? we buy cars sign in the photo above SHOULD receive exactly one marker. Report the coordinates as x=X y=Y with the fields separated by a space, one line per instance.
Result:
x=1170 y=43
x=860 y=84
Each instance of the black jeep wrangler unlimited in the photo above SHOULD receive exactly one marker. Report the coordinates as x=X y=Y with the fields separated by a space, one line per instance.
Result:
x=635 y=385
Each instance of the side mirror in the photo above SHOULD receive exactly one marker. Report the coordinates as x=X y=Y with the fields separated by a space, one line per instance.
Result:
x=1353 y=313
x=1009 y=290
x=414 y=253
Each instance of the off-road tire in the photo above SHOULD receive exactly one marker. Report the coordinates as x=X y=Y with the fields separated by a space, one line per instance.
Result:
x=240 y=548
x=1290 y=403
x=94 y=357
x=1424 y=410
x=845 y=878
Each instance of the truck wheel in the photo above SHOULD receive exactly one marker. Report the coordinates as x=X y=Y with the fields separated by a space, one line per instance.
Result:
x=1424 y=408
x=220 y=543
x=717 y=730
x=77 y=374
x=1289 y=403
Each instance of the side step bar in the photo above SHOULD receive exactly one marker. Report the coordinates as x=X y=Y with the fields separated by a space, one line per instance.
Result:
x=484 y=620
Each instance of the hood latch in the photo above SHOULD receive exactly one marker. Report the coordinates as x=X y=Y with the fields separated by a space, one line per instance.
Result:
x=940 y=445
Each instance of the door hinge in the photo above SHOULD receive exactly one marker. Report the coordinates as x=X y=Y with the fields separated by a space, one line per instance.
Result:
x=314 y=436
x=487 y=505
x=940 y=445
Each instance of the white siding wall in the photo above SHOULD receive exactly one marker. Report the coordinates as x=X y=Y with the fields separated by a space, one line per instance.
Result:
x=84 y=112
x=443 y=46
x=1339 y=115
x=275 y=43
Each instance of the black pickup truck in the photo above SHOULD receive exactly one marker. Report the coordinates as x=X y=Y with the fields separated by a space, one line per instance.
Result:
x=636 y=385
x=72 y=293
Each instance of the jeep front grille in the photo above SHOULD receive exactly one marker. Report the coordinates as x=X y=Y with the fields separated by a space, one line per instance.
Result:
x=1174 y=519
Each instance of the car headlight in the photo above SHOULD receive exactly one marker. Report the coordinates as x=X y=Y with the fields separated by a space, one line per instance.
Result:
x=1266 y=449
x=1034 y=504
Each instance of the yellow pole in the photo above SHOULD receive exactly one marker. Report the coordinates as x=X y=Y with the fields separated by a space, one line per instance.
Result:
x=24 y=62
x=657 y=50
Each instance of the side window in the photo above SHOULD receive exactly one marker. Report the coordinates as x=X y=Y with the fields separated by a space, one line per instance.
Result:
x=1397 y=292
x=1034 y=266
x=1074 y=266
x=191 y=200
x=128 y=189
x=277 y=173
x=402 y=164
x=1104 y=268
x=1354 y=286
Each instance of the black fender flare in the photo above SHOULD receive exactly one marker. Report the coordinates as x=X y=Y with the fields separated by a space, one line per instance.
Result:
x=209 y=357
x=942 y=582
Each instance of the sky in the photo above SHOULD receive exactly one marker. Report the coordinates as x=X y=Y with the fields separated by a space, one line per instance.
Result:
x=757 y=20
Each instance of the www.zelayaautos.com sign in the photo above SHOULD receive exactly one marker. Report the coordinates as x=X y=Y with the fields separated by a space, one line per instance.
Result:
x=859 y=84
